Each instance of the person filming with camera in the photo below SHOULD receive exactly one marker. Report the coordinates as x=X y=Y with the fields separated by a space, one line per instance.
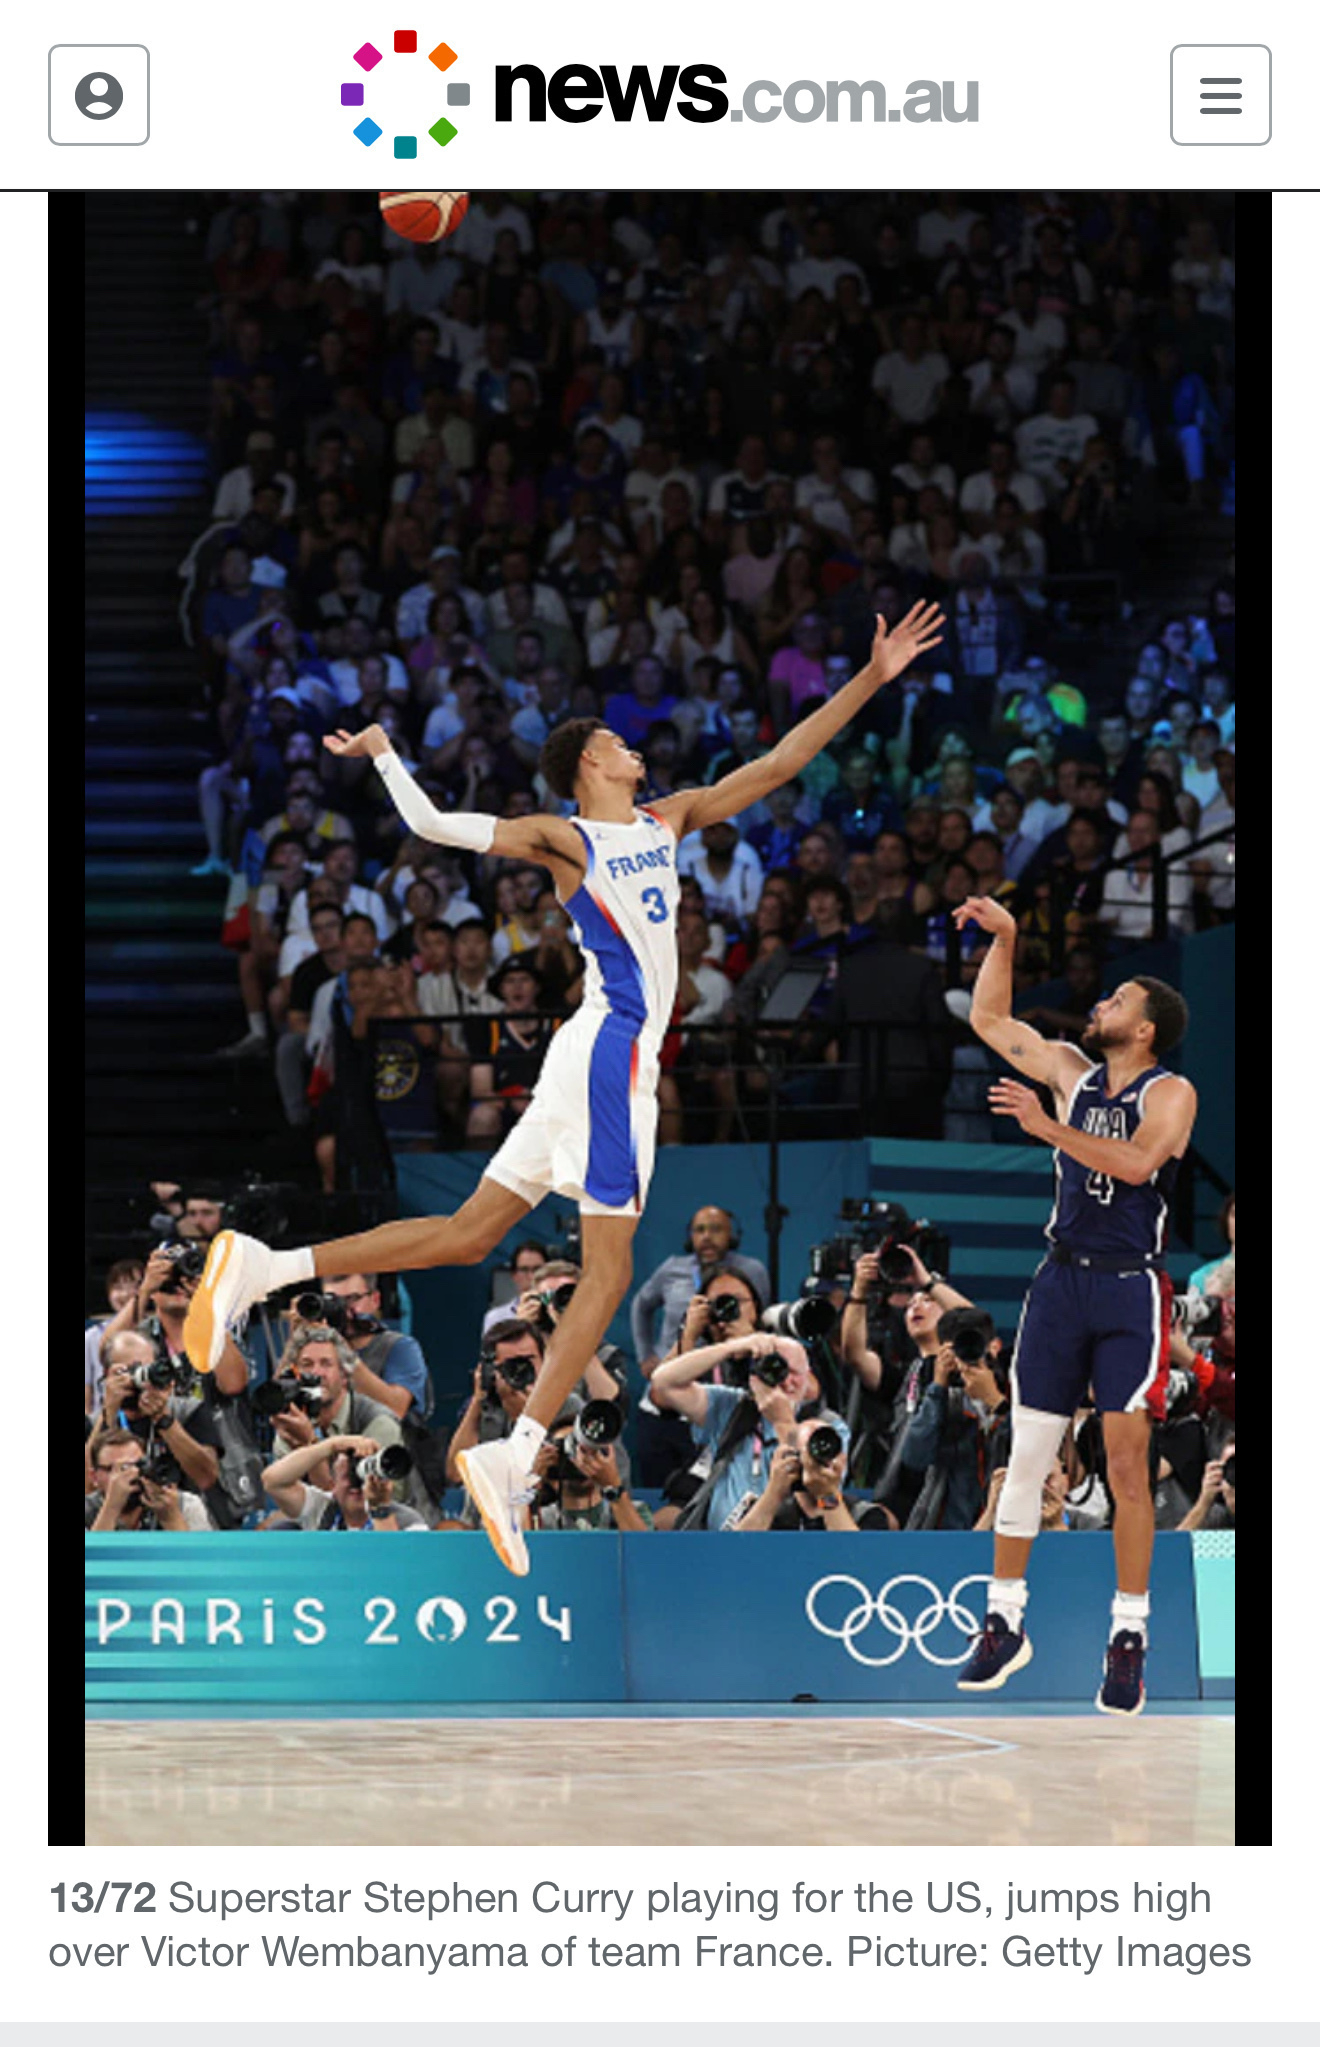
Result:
x=126 y=1498
x=804 y=1492
x=360 y=1495
x=959 y=1435
x=742 y=1423
x=507 y=1369
x=312 y=1399
x=140 y=1398
x=578 y=1480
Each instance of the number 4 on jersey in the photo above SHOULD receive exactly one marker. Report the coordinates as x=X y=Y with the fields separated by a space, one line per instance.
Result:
x=1100 y=1187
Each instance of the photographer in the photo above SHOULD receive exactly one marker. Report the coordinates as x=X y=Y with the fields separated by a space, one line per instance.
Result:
x=873 y=1338
x=710 y=1244
x=742 y=1429
x=391 y=1367
x=959 y=1434
x=507 y=1369
x=184 y=1450
x=804 y=1492
x=726 y=1306
x=353 y=1501
x=317 y=1375
x=551 y=1290
x=123 y=1498
x=579 y=1484
x=1216 y=1503
x=168 y=1284
x=1056 y=1516
x=122 y=1282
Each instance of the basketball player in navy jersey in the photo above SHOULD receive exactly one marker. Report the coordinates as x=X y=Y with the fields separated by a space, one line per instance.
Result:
x=589 y=1130
x=1097 y=1312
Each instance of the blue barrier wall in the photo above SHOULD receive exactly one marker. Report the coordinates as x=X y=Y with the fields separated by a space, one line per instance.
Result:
x=244 y=1625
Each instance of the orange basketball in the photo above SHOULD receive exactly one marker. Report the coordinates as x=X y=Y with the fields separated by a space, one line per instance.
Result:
x=423 y=216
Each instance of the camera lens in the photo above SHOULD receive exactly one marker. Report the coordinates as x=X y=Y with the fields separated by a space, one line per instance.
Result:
x=1230 y=1469
x=598 y=1425
x=310 y=1307
x=519 y=1374
x=895 y=1265
x=968 y=1346
x=824 y=1444
x=562 y=1295
x=771 y=1370
x=725 y=1308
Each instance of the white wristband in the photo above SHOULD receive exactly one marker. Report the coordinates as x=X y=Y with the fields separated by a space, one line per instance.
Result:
x=471 y=830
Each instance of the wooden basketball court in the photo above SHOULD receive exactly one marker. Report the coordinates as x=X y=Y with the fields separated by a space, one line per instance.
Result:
x=1022 y=1779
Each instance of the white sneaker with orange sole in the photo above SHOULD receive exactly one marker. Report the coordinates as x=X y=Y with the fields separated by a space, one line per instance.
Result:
x=237 y=1276
x=497 y=1488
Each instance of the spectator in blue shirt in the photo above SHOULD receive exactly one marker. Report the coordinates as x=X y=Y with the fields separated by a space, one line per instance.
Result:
x=233 y=602
x=390 y=1368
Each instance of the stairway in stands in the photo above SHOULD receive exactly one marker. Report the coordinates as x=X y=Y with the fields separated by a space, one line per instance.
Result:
x=161 y=994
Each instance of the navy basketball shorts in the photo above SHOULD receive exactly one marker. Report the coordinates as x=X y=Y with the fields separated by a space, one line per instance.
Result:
x=1083 y=1331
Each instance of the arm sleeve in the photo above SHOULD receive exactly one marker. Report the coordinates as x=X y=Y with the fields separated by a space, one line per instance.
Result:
x=644 y=1304
x=472 y=831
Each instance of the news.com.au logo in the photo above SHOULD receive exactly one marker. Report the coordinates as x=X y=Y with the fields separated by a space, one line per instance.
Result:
x=353 y=93
x=699 y=93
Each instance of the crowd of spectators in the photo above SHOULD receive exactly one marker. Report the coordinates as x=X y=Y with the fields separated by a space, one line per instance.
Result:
x=663 y=457
x=895 y=1415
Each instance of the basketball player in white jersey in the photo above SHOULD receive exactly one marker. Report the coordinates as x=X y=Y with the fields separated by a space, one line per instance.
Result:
x=589 y=1130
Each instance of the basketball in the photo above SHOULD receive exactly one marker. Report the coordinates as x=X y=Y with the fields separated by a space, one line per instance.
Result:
x=423 y=216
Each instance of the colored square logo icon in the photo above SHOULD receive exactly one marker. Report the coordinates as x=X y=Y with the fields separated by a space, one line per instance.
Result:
x=100 y=93
x=405 y=42
x=1219 y=93
x=405 y=145
x=351 y=95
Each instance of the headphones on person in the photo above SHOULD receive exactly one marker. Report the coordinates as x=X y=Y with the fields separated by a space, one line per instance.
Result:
x=735 y=1228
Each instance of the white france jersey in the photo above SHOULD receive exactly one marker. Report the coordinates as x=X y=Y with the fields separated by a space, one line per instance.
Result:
x=624 y=911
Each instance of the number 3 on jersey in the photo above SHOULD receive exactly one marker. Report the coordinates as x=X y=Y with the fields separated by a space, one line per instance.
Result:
x=657 y=909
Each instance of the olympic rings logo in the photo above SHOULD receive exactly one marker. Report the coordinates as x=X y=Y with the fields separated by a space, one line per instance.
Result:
x=880 y=1607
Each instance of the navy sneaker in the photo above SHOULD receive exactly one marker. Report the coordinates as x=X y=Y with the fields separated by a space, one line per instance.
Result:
x=1124 y=1689
x=997 y=1654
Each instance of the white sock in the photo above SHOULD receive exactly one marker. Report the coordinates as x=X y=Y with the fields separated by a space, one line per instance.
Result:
x=288 y=1267
x=526 y=1440
x=256 y=1023
x=1130 y=1611
x=1008 y=1596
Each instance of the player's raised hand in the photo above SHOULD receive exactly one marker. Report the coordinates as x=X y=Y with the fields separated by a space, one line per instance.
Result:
x=916 y=634
x=1011 y=1098
x=351 y=746
x=993 y=917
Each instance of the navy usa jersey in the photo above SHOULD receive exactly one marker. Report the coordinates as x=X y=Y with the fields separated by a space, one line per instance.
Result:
x=1092 y=1212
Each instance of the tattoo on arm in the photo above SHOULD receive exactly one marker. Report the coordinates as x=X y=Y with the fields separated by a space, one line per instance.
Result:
x=1016 y=1051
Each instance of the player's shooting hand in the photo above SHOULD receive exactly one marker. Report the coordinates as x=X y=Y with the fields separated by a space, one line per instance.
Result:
x=1011 y=1098
x=990 y=915
x=351 y=746
x=916 y=634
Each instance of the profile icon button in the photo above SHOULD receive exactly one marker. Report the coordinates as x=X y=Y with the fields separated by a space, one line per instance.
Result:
x=98 y=96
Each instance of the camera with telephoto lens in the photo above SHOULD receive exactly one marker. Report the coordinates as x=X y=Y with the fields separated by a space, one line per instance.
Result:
x=1182 y=1391
x=969 y=1346
x=1197 y=1316
x=551 y=1304
x=188 y=1261
x=1230 y=1469
x=160 y=1467
x=326 y=1308
x=868 y=1224
x=157 y=1372
x=518 y=1374
x=814 y=1316
x=724 y=1308
x=286 y=1390
x=596 y=1426
x=824 y=1444
x=391 y=1462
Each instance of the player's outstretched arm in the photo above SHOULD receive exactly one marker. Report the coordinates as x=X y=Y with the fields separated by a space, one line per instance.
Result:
x=1058 y=1065
x=891 y=653
x=1164 y=1132
x=548 y=841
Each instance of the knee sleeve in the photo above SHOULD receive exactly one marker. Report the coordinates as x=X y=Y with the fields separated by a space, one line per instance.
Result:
x=1036 y=1440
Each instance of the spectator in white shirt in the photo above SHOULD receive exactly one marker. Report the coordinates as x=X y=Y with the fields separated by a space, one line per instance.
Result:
x=340 y=865
x=923 y=467
x=829 y=495
x=1051 y=445
x=420 y=279
x=1001 y=388
x=488 y=213
x=821 y=268
x=1200 y=775
x=943 y=231
x=983 y=489
x=1127 y=907
x=1041 y=337
x=234 y=493
x=910 y=377
x=729 y=871
x=1014 y=552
